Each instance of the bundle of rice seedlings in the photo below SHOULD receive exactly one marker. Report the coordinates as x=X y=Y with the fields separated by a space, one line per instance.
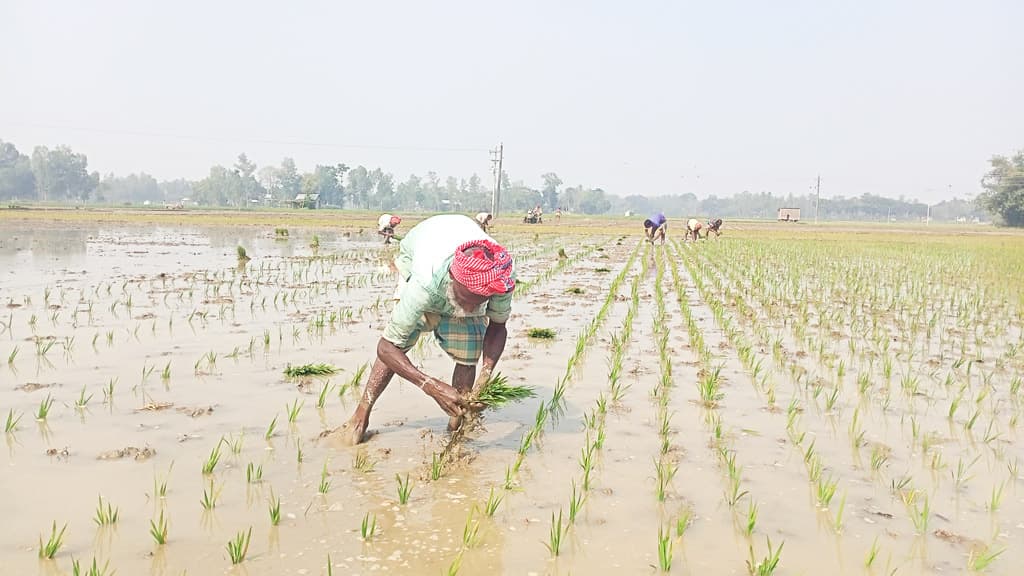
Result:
x=320 y=369
x=497 y=392
x=541 y=333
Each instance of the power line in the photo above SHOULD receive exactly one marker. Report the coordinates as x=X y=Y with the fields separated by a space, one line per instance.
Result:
x=119 y=132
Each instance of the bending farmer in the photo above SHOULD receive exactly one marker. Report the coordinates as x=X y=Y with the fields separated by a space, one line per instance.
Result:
x=693 y=227
x=386 y=226
x=656 y=226
x=456 y=282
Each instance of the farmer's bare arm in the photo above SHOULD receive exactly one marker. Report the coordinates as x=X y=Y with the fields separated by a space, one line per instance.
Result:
x=494 y=344
x=393 y=357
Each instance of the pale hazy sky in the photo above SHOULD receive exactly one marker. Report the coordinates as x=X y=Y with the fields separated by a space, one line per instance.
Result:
x=883 y=96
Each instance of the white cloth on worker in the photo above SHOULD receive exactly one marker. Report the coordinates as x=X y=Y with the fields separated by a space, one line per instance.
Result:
x=482 y=217
x=384 y=222
x=433 y=242
x=692 y=224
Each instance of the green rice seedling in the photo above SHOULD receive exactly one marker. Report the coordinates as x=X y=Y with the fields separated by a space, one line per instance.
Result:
x=826 y=490
x=493 y=501
x=709 y=388
x=684 y=521
x=322 y=398
x=105 y=515
x=44 y=408
x=587 y=464
x=369 y=526
x=510 y=479
x=158 y=529
x=325 y=484
x=210 y=496
x=83 y=400
x=238 y=547
x=160 y=483
x=872 y=554
x=979 y=559
x=837 y=523
x=498 y=392
x=242 y=256
x=12 y=422
x=362 y=462
x=253 y=473
x=751 y=517
x=961 y=475
x=436 y=467
x=920 y=515
x=575 y=502
x=554 y=543
x=767 y=565
x=235 y=442
x=455 y=566
x=293 y=410
x=471 y=531
x=93 y=570
x=12 y=356
x=405 y=489
x=665 y=545
x=270 y=429
x=275 y=509
x=212 y=460
x=996 y=498
x=49 y=549
x=733 y=495
x=665 y=472
x=879 y=456
x=319 y=369
x=165 y=375
x=299 y=456
x=541 y=333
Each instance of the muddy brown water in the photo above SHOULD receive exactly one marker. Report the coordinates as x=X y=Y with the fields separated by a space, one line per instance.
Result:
x=91 y=304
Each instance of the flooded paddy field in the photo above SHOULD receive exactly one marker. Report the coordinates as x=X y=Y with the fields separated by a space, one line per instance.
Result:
x=840 y=403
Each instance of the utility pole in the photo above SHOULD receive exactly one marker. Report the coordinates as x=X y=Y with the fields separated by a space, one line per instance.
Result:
x=497 y=157
x=817 y=198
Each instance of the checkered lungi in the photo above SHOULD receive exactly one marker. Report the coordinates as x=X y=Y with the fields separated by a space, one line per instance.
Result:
x=462 y=338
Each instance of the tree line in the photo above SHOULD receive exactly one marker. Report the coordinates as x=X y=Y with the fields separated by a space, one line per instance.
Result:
x=62 y=175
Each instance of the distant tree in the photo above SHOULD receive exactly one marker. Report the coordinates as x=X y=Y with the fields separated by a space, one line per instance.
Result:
x=16 y=178
x=289 y=182
x=267 y=177
x=132 y=188
x=594 y=201
x=383 y=190
x=222 y=187
x=1004 y=189
x=62 y=175
x=359 y=187
x=250 y=186
x=550 y=190
x=323 y=180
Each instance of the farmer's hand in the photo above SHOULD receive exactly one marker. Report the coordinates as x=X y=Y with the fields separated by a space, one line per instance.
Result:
x=445 y=396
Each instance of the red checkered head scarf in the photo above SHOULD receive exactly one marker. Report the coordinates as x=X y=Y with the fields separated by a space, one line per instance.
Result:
x=395 y=221
x=483 y=267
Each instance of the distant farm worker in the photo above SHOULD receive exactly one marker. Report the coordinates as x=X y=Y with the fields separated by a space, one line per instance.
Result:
x=558 y=215
x=386 y=225
x=455 y=281
x=484 y=220
x=714 y=226
x=693 y=227
x=655 y=227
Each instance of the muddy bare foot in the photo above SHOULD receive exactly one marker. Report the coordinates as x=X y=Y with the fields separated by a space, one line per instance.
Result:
x=349 y=434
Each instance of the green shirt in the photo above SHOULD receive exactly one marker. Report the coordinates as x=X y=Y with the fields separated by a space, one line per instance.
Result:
x=425 y=255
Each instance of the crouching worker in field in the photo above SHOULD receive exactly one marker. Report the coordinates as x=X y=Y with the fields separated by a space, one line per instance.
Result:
x=714 y=226
x=386 y=225
x=693 y=227
x=655 y=227
x=456 y=282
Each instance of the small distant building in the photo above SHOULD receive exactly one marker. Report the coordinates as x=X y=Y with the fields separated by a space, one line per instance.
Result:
x=311 y=201
x=789 y=214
